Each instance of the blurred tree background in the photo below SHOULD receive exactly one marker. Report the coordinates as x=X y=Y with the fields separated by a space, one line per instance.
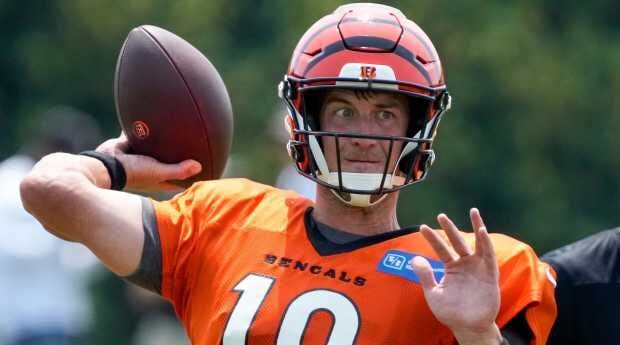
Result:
x=531 y=139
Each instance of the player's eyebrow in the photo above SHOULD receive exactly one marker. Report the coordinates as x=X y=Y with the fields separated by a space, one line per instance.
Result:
x=333 y=99
x=387 y=104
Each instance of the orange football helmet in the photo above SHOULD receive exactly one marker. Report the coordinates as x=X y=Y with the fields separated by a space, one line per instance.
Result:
x=369 y=47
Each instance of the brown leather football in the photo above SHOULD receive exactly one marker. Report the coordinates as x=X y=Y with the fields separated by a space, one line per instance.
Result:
x=171 y=102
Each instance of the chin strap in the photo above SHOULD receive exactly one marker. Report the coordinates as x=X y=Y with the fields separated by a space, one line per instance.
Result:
x=361 y=181
x=359 y=200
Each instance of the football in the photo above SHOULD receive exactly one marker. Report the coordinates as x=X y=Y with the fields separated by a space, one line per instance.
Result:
x=172 y=103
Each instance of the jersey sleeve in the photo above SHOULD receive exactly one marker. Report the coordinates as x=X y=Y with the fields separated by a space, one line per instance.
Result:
x=527 y=285
x=180 y=223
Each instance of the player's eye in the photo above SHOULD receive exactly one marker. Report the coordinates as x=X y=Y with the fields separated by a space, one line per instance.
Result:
x=385 y=115
x=344 y=112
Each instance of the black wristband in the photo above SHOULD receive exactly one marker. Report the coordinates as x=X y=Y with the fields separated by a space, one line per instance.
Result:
x=116 y=170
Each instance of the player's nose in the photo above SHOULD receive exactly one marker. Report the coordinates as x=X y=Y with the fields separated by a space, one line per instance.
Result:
x=364 y=143
x=365 y=126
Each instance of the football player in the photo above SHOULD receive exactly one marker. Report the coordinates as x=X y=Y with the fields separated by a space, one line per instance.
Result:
x=245 y=263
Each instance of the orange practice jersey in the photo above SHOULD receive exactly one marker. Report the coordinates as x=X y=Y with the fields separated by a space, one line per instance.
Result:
x=240 y=267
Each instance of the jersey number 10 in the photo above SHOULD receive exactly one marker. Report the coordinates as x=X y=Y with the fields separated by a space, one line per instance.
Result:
x=252 y=292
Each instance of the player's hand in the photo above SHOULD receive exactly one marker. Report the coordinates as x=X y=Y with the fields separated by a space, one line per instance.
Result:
x=467 y=299
x=146 y=173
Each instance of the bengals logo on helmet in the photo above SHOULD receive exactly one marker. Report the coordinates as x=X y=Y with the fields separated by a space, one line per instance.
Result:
x=368 y=72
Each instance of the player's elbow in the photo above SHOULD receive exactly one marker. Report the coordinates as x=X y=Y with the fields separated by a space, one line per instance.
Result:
x=34 y=191
x=34 y=188
x=49 y=188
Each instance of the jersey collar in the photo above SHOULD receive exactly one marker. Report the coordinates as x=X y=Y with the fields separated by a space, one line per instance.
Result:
x=325 y=247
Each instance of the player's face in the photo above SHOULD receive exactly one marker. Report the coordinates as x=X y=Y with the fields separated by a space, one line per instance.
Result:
x=374 y=113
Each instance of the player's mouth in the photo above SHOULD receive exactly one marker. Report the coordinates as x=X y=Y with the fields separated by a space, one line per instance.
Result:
x=357 y=165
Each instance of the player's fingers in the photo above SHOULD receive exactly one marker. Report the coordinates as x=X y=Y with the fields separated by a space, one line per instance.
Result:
x=107 y=146
x=122 y=143
x=114 y=146
x=424 y=271
x=476 y=219
x=439 y=245
x=484 y=248
x=456 y=239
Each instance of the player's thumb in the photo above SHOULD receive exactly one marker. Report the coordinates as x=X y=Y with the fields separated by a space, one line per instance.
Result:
x=188 y=168
x=424 y=271
x=179 y=171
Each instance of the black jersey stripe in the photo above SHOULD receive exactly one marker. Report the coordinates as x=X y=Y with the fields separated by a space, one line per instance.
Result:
x=149 y=272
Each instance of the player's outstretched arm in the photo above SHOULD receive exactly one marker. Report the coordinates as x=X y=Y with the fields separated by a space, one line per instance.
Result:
x=69 y=195
x=467 y=299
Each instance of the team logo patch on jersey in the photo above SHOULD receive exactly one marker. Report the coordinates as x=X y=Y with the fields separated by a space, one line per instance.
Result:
x=399 y=263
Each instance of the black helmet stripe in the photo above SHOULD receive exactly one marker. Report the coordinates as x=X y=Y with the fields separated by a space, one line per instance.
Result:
x=429 y=50
x=311 y=38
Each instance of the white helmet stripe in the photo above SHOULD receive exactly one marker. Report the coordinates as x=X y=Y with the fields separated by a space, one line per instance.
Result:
x=315 y=148
x=317 y=152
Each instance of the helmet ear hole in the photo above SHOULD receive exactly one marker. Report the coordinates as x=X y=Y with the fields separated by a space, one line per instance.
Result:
x=419 y=110
x=312 y=103
x=406 y=163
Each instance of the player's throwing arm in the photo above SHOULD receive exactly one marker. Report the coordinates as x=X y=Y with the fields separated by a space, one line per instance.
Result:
x=70 y=196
